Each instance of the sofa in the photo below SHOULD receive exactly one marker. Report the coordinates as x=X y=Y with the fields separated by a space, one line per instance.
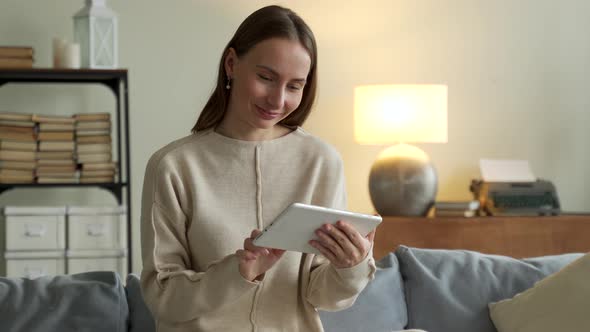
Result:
x=432 y=290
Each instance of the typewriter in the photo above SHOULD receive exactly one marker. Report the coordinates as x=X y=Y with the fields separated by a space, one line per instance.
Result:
x=536 y=198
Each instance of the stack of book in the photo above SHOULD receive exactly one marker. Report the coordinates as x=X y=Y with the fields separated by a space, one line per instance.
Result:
x=16 y=57
x=456 y=208
x=55 y=156
x=17 y=148
x=93 y=148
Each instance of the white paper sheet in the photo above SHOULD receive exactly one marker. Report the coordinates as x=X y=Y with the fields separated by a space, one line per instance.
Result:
x=506 y=170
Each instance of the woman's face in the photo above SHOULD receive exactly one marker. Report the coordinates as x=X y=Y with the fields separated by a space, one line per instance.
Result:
x=267 y=82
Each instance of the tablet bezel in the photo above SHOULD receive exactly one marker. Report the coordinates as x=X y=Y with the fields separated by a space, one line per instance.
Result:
x=296 y=225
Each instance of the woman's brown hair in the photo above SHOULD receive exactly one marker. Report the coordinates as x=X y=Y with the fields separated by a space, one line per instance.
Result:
x=265 y=23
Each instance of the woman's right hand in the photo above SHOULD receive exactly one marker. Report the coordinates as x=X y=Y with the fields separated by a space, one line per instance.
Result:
x=255 y=261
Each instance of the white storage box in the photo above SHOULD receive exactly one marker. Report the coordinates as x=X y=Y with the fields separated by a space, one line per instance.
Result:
x=34 y=264
x=91 y=228
x=97 y=260
x=34 y=228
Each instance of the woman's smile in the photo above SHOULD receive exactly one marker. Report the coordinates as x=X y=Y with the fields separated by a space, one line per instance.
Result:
x=267 y=115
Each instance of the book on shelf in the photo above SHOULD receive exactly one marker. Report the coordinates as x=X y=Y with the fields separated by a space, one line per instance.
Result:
x=54 y=180
x=56 y=136
x=9 y=179
x=99 y=166
x=93 y=148
x=56 y=174
x=456 y=208
x=18 y=155
x=18 y=130
x=17 y=172
x=457 y=205
x=455 y=213
x=14 y=164
x=93 y=157
x=50 y=126
x=93 y=139
x=19 y=123
x=61 y=119
x=19 y=146
x=16 y=52
x=55 y=162
x=55 y=155
x=17 y=136
x=98 y=179
x=56 y=168
x=56 y=146
x=97 y=173
x=49 y=148
x=16 y=62
x=89 y=132
x=10 y=116
x=92 y=116
x=93 y=125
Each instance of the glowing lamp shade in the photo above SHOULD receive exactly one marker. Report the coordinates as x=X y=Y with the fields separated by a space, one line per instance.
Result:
x=387 y=114
x=403 y=181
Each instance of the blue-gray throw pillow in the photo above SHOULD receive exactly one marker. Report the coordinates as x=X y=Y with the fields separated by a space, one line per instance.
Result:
x=140 y=318
x=379 y=307
x=449 y=290
x=91 y=301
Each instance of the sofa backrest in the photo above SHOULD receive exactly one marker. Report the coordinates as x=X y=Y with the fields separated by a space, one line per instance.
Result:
x=434 y=290
x=140 y=318
x=90 y=301
x=449 y=290
x=379 y=307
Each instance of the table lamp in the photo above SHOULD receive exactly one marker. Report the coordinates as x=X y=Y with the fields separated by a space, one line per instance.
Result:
x=403 y=180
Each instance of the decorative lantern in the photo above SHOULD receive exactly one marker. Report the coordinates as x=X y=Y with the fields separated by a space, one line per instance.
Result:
x=95 y=29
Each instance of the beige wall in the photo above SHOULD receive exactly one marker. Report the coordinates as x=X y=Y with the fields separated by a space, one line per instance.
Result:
x=518 y=74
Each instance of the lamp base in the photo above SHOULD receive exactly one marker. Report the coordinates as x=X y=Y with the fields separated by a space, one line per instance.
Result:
x=403 y=182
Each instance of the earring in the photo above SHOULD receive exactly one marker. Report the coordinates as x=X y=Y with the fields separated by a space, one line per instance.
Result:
x=228 y=85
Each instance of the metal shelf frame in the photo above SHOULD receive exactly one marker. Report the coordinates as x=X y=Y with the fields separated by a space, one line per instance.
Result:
x=116 y=80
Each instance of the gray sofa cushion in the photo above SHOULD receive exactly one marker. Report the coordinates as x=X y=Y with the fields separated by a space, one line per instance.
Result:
x=85 y=302
x=379 y=307
x=140 y=318
x=449 y=290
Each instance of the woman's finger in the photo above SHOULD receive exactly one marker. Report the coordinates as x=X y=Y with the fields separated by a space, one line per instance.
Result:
x=371 y=236
x=351 y=232
x=245 y=255
x=342 y=239
x=278 y=252
x=248 y=245
x=254 y=233
x=325 y=251
x=327 y=241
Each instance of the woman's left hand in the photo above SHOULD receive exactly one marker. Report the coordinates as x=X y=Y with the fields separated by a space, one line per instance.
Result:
x=341 y=244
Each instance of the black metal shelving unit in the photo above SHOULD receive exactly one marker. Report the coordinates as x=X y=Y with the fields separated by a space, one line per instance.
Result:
x=116 y=80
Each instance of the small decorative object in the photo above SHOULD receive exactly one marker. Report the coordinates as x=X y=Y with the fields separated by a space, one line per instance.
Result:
x=65 y=55
x=71 y=56
x=403 y=180
x=95 y=30
x=59 y=45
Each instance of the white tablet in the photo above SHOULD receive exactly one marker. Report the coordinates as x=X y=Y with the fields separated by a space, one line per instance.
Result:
x=297 y=224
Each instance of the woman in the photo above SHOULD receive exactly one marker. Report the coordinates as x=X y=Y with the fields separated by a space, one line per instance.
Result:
x=206 y=196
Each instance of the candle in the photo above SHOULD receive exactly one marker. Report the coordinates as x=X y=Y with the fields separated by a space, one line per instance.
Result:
x=58 y=49
x=71 y=56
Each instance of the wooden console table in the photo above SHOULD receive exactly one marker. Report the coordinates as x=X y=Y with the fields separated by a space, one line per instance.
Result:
x=510 y=236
